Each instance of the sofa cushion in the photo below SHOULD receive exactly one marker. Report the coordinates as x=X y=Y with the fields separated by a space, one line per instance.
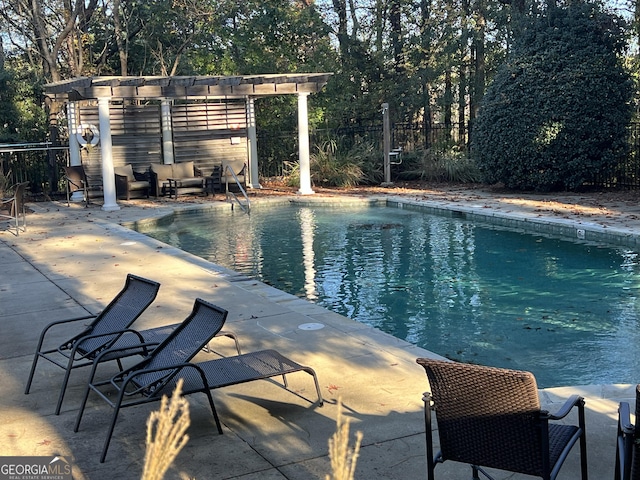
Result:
x=139 y=185
x=125 y=171
x=191 y=182
x=183 y=170
x=162 y=171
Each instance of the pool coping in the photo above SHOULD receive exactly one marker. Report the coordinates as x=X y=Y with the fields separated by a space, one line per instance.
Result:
x=529 y=223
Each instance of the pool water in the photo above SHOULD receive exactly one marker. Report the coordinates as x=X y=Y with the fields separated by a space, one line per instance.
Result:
x=564 y=310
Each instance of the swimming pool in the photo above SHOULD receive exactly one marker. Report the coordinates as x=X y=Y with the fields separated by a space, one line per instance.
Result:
x=565 y=310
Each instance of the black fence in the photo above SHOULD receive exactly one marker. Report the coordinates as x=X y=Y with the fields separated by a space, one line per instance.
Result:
x=38 y=163
x=277 y=148
x=41 y=164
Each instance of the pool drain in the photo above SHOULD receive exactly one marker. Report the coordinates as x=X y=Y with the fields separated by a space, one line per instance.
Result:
x=311 y=326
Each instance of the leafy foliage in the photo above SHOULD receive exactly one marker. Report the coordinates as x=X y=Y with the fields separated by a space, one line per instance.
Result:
x=21 y=116
x=330 y=168
x=556 y=115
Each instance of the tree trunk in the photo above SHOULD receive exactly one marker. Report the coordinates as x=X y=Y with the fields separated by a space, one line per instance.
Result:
x=396 y=36
x=120 y=38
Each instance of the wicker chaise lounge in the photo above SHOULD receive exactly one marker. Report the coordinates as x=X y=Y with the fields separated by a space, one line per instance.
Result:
x=491 y=417
x=158 y=373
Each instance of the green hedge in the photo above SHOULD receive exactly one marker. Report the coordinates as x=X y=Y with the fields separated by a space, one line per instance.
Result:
x=556 y=115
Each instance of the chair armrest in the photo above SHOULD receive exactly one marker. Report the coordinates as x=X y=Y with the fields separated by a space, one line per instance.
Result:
x=153 y=182
x=122 y=184
x=68 y=320
x=130 y=376
x=127 y=351
x=118 y=333
x=572 y=401
x=624 y=418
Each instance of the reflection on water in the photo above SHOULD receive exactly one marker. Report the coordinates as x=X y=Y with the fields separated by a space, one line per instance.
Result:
x=566 y=311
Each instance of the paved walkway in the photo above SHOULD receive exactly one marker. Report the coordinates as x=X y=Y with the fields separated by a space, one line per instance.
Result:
x=74 y=260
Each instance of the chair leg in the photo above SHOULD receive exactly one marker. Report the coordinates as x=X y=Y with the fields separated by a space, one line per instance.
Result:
x=214 y=411
x=583 y=457
x=86 y=397
x=24 y=219
x=65 y=382
x=33 y=371
x=36 y=356
x=116 y=410
x=475 y=472
x=312 y=372
x=431 y=464
x=583 y=442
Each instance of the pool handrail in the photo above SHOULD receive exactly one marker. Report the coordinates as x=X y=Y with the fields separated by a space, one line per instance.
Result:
x=246 y=207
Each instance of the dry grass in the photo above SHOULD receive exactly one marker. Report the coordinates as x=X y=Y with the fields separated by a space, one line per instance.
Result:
x=166 y=434
x=343 y=458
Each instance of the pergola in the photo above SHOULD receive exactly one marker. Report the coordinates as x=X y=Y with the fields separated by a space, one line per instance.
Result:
x=106 y=90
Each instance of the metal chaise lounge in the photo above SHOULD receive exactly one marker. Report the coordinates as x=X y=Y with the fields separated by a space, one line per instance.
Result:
x=109 y=329
x=158 y=373
x=491 y=417
x=628 y=442
x=81 y=350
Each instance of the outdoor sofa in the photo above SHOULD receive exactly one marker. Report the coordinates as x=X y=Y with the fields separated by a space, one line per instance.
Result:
x=176 y=179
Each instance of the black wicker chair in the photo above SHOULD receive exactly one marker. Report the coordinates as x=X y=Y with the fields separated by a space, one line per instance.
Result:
x=159 y=372
x=77 y=181
x=628 y=446
x=491 y=417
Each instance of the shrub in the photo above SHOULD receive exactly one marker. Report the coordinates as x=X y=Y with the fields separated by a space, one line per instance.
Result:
x=440 y=163
x=330 y=168
x=556 y=115
x=333 y=166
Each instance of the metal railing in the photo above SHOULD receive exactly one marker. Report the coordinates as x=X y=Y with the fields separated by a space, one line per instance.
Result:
x=231 y=196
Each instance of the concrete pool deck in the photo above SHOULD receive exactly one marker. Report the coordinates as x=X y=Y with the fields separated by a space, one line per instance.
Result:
x=73 y=260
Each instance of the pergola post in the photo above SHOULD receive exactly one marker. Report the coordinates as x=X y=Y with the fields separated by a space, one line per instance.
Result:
x=74 y=147
x=303 y=145
x=167 y=132
x=72 y=125
x=106 y=147
x=252 y=139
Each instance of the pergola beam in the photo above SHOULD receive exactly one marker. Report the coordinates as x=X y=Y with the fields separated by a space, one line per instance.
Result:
x=166 y=89
x=185 y=86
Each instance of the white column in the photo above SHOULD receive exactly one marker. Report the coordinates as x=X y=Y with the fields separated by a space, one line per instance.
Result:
x=167 y=131
x=252 y=139
x=74 y=147
x=303 y=145
x=108 y=177
x=72 y=127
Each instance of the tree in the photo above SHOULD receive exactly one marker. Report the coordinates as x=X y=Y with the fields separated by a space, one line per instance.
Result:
x=556 y=115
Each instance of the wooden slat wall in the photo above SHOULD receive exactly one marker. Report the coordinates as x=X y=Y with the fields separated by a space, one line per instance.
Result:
x=136 y=137
x=203 y=132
